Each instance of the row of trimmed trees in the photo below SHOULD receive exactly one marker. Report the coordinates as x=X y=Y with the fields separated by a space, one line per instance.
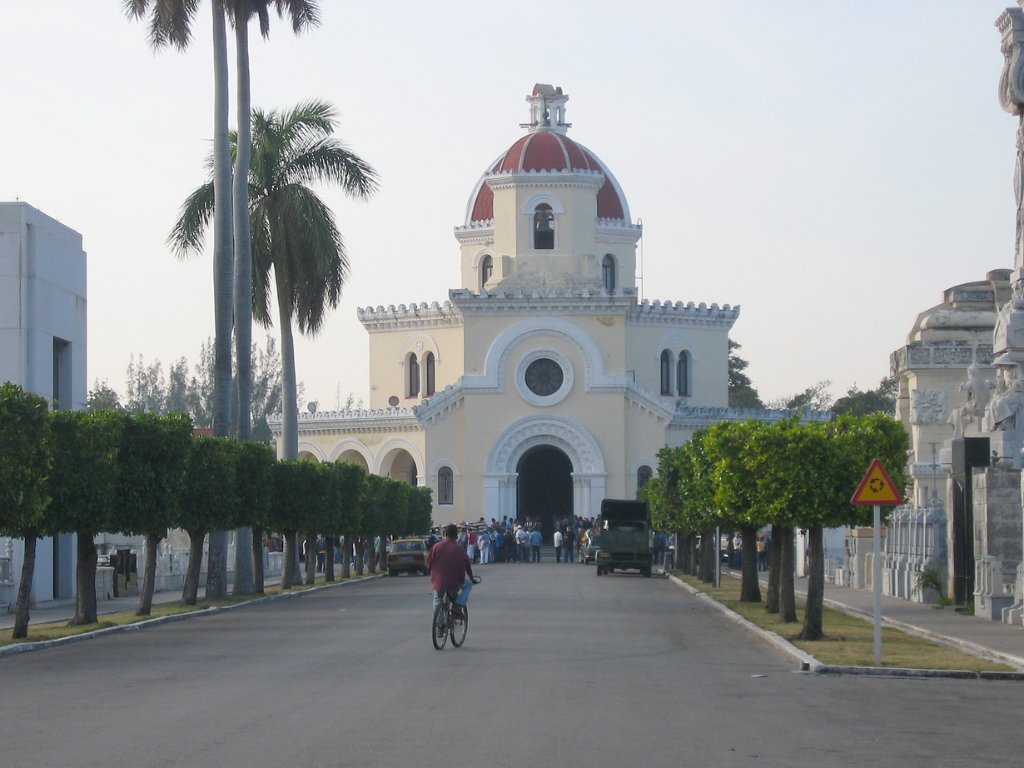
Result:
x=141 y=474
x=789 y=475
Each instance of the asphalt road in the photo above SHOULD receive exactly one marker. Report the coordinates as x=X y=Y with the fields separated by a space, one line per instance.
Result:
x=560 y=668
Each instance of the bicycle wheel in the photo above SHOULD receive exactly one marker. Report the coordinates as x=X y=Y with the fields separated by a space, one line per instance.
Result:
x=459 y=625
x=439 y=637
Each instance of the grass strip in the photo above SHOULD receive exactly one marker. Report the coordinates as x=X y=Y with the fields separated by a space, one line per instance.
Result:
x=849 y=640
x=57 y=629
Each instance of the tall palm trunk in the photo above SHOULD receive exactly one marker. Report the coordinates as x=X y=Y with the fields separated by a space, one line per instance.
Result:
x=243 y=288
x=222 y=256
x=216 y=571
x=242 y=237
x=85 y=580
x=28 y=569
x=289 y=388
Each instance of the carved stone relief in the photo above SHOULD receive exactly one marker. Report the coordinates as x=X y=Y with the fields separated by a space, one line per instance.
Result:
x=927 y=406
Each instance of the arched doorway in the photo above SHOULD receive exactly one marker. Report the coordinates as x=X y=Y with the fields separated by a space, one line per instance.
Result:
x=544 y=487
x=400 y=465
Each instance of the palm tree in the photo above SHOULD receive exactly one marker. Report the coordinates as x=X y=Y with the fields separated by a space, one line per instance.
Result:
x=170 y=23
x=293 y=234
x=302 y=13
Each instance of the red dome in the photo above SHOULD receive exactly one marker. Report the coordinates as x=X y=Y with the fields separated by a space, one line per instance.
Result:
x=554 y=152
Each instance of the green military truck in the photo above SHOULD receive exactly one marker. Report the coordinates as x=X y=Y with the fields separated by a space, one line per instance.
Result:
x=625 y=538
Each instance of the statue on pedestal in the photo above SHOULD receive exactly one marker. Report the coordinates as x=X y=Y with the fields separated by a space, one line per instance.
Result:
x=973 y=410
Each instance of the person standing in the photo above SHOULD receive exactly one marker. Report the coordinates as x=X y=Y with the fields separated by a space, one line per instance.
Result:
x=535 y=542
x=484 y=543
x=523 y=544
x=568 y=544
x=558 y=545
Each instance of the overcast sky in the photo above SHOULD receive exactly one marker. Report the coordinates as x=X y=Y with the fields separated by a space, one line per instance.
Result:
x=830 y=166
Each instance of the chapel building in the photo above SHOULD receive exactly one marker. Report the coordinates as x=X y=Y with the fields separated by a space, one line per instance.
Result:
x=543 y=384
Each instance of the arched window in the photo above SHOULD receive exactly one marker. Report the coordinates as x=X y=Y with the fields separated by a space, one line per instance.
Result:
x=429 y=362
x=643 y=476
x=666 y=372
x=543 y=227
x=608 y=273
x=486 y=270
x=683 y=374
x=413 y=377
x=445 y=486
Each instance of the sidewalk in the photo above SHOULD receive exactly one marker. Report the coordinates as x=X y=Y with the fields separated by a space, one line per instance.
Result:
x=64 y=610
x=989 y=639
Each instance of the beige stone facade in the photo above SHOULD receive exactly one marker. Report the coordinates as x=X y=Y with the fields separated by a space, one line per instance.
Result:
x=544 y=383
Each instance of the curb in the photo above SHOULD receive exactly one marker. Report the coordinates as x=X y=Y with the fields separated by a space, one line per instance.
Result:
x=39 y=645
x=810 y=664
x=807 y=662
x=952 y=642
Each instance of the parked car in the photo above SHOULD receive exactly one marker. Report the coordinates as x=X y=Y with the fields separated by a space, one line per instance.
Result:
x=409 y=555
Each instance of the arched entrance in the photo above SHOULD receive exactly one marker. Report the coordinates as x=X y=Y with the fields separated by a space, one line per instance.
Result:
x=544 y=488
x=571 y=440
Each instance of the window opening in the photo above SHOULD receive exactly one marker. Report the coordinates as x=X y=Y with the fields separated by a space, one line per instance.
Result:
x=445 y=486
x=683 y=374
x=608 y=273
x=666 y=372
x=543 y=227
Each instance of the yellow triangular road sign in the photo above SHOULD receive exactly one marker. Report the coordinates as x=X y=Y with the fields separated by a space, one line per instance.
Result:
x=877 y=488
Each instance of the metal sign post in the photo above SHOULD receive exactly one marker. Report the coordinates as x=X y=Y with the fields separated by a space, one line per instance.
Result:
x=877 y=579
x=876 y=489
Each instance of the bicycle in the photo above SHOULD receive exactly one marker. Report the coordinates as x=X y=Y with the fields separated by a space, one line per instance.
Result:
x=450 y=620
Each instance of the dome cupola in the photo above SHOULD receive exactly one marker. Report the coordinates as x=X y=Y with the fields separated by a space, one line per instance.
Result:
x=547 y=209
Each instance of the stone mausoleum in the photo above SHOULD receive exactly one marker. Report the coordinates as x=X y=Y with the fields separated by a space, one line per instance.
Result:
x=43 y=350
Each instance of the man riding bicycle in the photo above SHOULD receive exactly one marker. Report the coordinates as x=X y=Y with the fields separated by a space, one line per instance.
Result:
x=450 y=568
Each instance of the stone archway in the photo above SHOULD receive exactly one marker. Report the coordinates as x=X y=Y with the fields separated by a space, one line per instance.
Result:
x=572 y=439
x=400 y=465
x=544 y=487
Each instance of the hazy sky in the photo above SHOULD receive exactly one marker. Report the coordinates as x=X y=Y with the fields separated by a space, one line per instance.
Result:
x=830 y=166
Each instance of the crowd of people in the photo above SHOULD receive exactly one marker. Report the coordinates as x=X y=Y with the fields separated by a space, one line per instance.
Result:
x=520 y=540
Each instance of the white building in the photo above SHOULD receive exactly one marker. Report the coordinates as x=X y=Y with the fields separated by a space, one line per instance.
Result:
x=543 y=384
x=43 y=350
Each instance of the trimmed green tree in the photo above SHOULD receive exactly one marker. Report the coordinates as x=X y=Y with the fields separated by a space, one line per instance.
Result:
x=844 y=448
x=25 y=463
x=208 y=501
x=254 y=489
x=152 y=457
x=84 y=487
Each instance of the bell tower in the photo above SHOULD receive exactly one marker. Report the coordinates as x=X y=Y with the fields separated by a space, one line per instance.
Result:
x=547 y=214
